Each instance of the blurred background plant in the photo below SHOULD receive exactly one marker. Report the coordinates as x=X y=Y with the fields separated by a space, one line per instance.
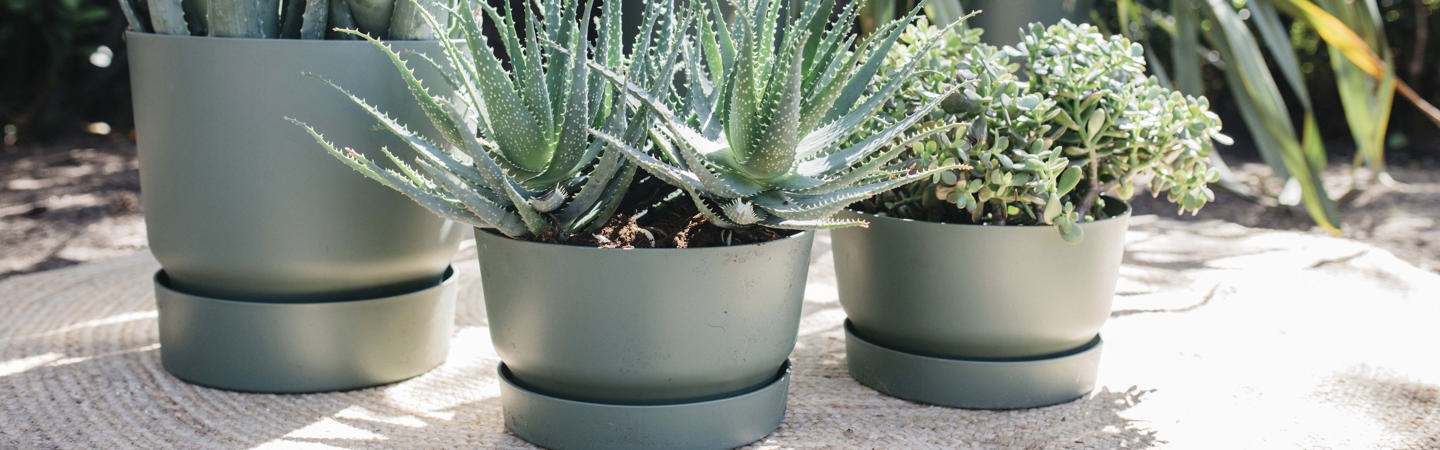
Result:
x=63 y=69
x=1241 y=52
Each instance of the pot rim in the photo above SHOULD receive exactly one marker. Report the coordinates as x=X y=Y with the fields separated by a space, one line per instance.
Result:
x=884 y=218
x=691 y=250
x=161 y=279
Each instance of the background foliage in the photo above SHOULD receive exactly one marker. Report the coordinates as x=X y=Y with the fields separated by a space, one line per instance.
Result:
x=50 y=84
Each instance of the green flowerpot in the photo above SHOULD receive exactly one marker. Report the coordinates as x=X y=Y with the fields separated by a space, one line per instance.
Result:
x=1003 y=19
x=283 y=270
x=242 y=204
x=643 y=348
x=999 y=316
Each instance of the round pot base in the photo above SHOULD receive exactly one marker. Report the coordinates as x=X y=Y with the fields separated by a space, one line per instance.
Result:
x=559 y=423
x=294 y=347
x=973 y=384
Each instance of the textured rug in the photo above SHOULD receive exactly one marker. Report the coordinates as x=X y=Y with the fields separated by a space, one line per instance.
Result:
x=1222 y=337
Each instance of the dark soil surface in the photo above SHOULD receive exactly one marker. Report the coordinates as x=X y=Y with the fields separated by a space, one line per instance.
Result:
x=78 y=200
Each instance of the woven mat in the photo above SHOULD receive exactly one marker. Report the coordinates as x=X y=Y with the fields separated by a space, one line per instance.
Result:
x=1222 y=337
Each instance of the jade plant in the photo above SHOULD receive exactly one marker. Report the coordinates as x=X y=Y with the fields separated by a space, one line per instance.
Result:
x=754 y=139
x=1049 y=128
x=766 y=129
x=288 y=19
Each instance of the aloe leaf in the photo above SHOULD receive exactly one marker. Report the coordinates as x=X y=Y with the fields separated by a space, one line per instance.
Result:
x=861 y=78
x=572 y=152
x=771 y=152
x=445 y=123
x=340 y=18
x=244 y=18
x=399 y=183
x=741 y=117
x=133 y=13
x=851 y=155
x=168 y=17
x=312 y=21
x=609 y=51
x=659 y=169
x=488 y=210
x=373 y=16
x=869 y=167
x=810 y=207
x=664 y=116
x=812 y=225
x=419 y=144
x=291 y=13
x=195 y=16
x=513 y=128
x=408 y=22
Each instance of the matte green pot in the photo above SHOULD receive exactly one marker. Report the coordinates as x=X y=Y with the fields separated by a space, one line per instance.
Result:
x=1003 y=19
x=595 y=343
x=241 y=204
x=987 y=298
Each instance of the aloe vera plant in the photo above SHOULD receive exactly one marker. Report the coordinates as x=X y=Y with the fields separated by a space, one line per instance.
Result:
x=533 y=171
x=1049 y=125
x=765 y=131
x=289 y=19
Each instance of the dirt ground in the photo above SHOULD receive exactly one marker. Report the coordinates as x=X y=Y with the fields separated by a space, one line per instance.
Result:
x=78 y=201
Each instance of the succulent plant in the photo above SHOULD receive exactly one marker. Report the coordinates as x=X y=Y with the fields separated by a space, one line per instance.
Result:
x=1048 y=127
x=763 y=132
x=289 y=19
x=533 y=171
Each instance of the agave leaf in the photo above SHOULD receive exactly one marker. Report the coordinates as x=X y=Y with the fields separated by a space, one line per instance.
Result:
x=168 y=17
x=244 y=18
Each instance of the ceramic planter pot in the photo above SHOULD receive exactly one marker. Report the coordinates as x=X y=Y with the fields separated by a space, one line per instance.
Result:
x=643 y=348
x=256 y=227
x=977 y=316
x=1003 y=19
x=240 y=203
